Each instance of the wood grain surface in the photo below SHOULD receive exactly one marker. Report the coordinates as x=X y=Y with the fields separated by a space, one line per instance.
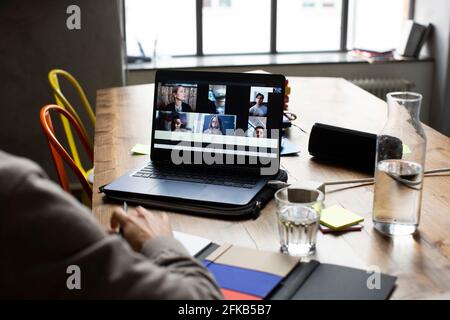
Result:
x=421 y=262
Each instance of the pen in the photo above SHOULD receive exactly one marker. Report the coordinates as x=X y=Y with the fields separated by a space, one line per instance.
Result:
x=125 y=208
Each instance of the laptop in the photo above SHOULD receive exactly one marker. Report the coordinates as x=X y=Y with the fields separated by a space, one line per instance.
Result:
x=215 y=138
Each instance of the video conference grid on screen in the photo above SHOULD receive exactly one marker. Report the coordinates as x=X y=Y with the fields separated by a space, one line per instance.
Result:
x=201 y=115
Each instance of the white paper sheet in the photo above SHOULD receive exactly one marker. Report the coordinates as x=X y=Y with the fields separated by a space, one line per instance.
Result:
x=193 y=244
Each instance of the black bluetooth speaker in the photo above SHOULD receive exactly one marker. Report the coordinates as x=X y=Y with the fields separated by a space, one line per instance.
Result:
x=355 y=149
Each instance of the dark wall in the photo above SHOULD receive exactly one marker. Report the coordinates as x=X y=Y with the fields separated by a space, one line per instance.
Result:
x=34 y=38
x=437 y=12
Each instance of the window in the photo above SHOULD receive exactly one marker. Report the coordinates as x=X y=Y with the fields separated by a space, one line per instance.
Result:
x=160 y=27
x=308 y=25
x=236 y=26
x=205 y=27
x=376 y=24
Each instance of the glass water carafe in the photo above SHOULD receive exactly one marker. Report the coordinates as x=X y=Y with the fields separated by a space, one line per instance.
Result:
x=399 y=166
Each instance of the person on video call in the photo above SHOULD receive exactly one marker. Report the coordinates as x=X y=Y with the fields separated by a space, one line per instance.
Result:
x=217 y=97
x=45 y=232
x=259 y=132
x=215 y=126
x=259 y=109
x=179 y=95
x=176 y=124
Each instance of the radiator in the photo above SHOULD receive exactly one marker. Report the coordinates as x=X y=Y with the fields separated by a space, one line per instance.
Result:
x=380 y=87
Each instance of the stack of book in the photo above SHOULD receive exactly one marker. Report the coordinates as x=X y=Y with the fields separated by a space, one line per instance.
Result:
x=373 y=55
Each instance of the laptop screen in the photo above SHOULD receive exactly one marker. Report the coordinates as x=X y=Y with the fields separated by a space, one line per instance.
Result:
x=217 y=118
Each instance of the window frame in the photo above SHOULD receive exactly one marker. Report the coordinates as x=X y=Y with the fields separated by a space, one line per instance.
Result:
x=273 y=30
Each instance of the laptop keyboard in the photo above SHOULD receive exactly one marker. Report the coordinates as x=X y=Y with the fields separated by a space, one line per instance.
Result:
x=203 y=175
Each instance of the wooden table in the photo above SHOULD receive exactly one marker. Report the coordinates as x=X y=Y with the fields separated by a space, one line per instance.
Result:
x=421 y=262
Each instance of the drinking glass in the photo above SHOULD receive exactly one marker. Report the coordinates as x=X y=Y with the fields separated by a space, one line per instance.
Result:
x=298 y=212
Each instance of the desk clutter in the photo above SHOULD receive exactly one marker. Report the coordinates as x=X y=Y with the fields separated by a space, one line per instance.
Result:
x=251 y=274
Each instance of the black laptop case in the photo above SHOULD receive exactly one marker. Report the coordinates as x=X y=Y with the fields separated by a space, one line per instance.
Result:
x=250 y=210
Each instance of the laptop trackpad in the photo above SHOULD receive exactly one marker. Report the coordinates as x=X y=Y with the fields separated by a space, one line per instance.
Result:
x=177 y=189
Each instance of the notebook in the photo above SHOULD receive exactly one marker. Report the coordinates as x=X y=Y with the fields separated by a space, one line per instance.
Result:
x=251 y=274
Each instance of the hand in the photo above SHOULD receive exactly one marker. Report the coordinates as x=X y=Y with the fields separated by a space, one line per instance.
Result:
x=140 y=225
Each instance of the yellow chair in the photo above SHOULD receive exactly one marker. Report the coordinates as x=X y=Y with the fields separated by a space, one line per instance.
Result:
x=62 y=101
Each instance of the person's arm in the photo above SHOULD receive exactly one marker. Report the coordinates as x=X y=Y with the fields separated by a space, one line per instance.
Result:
x=44 y=231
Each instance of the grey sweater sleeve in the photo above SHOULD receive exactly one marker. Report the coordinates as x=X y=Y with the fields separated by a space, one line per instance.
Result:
x=44 y=231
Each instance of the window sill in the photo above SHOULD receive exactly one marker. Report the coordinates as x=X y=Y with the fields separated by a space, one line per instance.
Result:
x=257 y=60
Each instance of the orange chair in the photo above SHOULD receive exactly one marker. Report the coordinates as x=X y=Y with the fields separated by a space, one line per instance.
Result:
x=59 y=154
x=61 y=100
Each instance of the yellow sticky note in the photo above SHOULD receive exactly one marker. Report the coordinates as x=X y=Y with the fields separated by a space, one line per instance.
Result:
x=141 y=149
x=406 y=149
x=336 y=217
